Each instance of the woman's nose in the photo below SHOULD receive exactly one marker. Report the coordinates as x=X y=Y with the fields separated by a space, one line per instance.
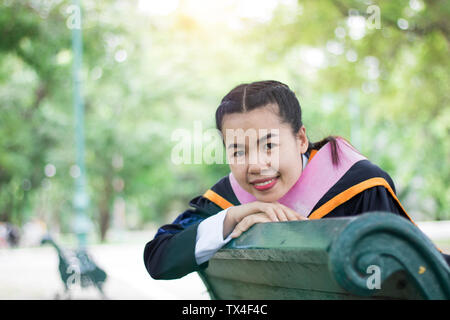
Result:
x=260 y=165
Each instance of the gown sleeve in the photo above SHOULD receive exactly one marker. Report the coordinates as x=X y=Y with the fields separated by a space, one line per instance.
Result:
x=171 y=254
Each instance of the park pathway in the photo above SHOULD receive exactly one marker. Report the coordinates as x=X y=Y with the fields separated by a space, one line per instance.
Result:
x=32 y=273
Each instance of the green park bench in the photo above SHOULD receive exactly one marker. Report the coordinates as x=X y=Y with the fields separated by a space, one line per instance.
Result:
x=335 y=258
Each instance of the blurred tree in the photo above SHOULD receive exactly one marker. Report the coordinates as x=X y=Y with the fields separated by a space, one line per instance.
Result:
x=146 y=75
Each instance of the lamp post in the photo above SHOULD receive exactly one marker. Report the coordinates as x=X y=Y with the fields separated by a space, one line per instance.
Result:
x=82 y=223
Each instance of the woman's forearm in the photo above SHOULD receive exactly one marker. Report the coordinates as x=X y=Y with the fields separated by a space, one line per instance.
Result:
x=229 y=223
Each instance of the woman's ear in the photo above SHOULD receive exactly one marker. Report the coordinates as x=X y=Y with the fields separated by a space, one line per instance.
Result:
x=302 y=140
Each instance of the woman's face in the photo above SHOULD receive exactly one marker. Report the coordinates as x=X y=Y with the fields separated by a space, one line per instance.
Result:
x=264 y=155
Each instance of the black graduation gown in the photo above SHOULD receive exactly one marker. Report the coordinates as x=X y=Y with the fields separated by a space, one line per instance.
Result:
x=171 y=254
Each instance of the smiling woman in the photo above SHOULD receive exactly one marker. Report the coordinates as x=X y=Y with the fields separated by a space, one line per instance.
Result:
x=276 y=174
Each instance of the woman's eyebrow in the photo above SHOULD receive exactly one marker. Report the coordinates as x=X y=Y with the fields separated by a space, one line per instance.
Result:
x=235 y=145
x=267 y=137
x=260 y=140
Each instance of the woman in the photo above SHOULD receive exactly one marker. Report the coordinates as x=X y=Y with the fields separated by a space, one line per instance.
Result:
x=276 y=175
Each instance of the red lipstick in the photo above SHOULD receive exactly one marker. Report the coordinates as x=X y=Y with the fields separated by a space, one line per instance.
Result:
x=264 y=184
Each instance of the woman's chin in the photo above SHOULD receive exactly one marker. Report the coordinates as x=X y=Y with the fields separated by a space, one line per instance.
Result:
x=271 y=196
x=267 y=199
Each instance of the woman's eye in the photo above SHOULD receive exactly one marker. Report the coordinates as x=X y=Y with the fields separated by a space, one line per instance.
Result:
x=238 y=153
x=269 y=146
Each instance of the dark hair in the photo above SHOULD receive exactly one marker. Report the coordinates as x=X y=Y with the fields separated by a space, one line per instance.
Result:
x=249 y=96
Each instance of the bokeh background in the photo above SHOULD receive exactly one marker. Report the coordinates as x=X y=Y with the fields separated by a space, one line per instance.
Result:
x=374 y=72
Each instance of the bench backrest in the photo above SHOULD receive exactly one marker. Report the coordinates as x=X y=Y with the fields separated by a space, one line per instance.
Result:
x=374 y=255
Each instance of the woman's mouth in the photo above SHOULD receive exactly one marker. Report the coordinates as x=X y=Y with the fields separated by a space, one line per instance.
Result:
x=264 y=184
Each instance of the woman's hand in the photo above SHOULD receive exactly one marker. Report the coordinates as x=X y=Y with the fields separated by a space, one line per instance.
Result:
x=248 y=221
x=241 y=218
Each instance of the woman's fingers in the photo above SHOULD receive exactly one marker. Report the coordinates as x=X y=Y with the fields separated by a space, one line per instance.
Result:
x=290 y=214
x=281 y=213
x=271 y=213
x=260 y=212
x=247 y=222
x=275 y=212
x=255 y=207
x=293 y=213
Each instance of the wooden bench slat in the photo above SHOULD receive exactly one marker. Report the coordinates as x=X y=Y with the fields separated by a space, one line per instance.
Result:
x=328 y=259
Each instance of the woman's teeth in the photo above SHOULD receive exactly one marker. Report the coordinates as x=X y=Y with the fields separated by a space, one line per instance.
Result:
x=264 y=183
